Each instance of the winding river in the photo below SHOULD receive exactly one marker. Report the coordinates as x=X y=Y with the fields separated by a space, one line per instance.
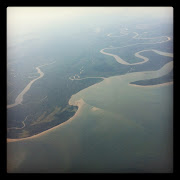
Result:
x=137 y=54
x=121 y=61
x=19 y=98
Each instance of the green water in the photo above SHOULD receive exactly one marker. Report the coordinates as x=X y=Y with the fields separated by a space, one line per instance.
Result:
x=120 y=128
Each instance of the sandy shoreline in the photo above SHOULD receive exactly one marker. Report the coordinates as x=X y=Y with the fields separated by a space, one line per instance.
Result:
x=155 y=85
x=78 y=103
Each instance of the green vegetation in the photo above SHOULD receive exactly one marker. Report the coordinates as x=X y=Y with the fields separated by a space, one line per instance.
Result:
x=155 y=81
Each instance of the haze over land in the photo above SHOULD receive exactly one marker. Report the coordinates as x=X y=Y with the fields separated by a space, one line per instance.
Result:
x=93 y=80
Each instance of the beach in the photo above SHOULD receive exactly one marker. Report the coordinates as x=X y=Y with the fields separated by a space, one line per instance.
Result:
x=78 y=103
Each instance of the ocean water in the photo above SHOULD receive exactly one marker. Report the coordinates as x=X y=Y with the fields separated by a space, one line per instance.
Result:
x=120 y=128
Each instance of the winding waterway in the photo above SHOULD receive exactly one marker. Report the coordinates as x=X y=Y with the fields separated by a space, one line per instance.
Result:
x=19 y=98
x=121 y=61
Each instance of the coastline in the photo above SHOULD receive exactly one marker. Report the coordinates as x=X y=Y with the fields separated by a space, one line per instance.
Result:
x=78 y=103
x=155 y=85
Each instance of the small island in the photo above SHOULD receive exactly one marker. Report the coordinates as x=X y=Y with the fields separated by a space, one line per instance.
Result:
x=156 y=81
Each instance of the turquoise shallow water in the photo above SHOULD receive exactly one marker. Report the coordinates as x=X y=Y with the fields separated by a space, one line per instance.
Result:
x=120 y=128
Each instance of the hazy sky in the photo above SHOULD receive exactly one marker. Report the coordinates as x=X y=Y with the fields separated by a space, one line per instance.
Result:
x=20 y=18
x=46 y=13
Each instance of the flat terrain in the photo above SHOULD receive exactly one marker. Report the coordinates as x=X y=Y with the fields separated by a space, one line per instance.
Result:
x=80 y=61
